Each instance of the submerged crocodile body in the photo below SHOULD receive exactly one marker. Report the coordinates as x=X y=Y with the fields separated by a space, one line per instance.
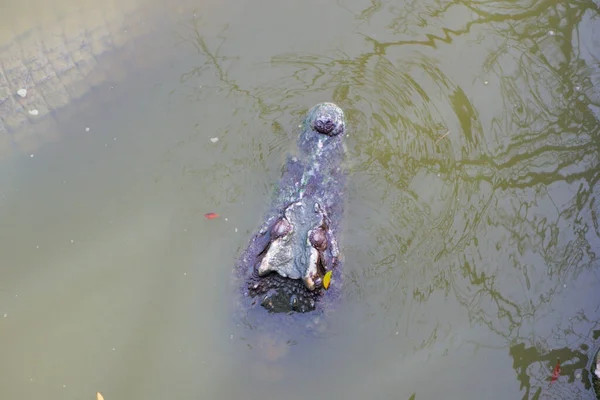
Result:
x=283 y=269
x=44 y=69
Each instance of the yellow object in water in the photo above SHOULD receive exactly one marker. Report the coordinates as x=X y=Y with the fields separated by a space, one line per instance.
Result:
x=327 y=280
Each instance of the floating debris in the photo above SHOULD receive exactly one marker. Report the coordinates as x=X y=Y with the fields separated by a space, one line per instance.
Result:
x=87 y=129
x=99 y=396
x=443 y=136
x=327 y=280
x=214 y=140
x=33 y=112
x=211 y=215
x=22 y=92
x=556 y=372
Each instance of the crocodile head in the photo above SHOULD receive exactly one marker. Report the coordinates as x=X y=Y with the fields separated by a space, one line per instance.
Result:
x=291 y=254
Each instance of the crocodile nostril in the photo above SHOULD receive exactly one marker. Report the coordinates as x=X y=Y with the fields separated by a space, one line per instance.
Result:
x=324 y=124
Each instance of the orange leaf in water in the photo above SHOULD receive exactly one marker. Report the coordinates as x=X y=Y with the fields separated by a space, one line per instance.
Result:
x=556 y=372
x=99 y=396
x=211 y=215
x=327 y=280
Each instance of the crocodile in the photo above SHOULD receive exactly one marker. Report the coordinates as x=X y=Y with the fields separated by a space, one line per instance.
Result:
x=287 y=266
x=50 y=66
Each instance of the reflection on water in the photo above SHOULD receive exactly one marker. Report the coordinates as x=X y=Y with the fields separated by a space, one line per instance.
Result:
x=487 y=197
x=471 y=228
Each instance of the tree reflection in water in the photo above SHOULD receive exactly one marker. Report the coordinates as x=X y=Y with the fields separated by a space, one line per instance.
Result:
x=502 y=215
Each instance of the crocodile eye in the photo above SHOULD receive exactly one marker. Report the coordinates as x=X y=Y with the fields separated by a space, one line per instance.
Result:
x=281 y=228
x=318 y=239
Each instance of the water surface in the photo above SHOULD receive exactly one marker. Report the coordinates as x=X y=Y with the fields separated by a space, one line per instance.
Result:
x=471 y=224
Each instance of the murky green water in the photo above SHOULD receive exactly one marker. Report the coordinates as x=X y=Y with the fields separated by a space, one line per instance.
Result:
x=471 y=224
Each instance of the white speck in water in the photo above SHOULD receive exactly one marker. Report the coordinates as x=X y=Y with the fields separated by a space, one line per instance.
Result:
x=236 y=230
x=87 y=129
x=565 y=285
x=72 y=241
x=37 y=247
x=31 y=155
x=185 y=229
x=5 y=315
x=114 y=349
x=34 y=112
x=396 y=333
x=22 y=92
x=551 y=33
x=64 y=386
x=299 y=126
x=114 y=138
x=577 y=88
x=578 y=376
x=226 y=219
x=231 y=337
x=185 y=274
x=438 y=174
x=485 y=82
x=214 y=139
